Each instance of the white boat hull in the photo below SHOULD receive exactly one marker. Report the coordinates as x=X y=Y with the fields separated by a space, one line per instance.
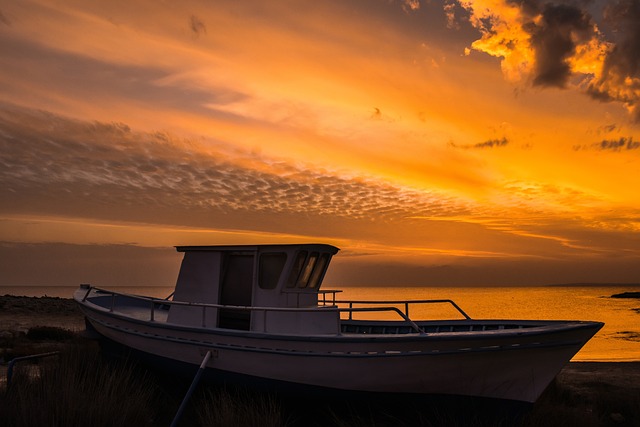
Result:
x=513 y=364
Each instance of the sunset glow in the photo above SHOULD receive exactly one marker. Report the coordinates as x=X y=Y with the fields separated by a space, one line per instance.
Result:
x=497 y=140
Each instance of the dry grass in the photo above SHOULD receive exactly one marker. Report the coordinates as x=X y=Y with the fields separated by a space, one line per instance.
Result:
x=604 y=405
x=224 y=407
x=78 y=388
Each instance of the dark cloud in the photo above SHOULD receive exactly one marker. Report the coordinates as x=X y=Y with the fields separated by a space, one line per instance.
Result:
x=621 y=144
x=608 y=128
x=620 y=79
x=197 y=26
x=554 y=38
x=595 y=44
x=490 y=143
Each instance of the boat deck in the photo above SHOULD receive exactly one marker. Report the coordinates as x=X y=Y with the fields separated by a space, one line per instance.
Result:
x=157 y=311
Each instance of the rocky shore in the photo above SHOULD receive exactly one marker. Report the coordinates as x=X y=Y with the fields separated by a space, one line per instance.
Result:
x=19 y=314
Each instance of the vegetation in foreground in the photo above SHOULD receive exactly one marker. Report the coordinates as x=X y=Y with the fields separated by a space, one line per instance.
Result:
x=81 y=387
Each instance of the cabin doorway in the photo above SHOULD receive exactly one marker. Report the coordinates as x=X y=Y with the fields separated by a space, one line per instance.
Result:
x=235 y=289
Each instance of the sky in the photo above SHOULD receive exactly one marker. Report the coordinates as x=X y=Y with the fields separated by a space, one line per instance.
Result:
x=436 y=142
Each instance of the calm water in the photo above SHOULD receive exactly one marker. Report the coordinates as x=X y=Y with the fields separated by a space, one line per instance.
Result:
x=619 y=340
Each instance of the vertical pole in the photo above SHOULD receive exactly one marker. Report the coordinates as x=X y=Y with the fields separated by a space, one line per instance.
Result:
x=264 y=320
x=194 y=383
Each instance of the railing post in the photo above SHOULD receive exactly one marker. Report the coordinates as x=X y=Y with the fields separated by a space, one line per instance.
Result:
x=88 y=292
x=13 y=361
x=153 y=308
x=264 y=320
x=350 y=311
x=406 y=308
x=204 y=316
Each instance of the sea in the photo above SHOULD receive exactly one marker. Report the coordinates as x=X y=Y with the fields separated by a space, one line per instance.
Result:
x=618 y=341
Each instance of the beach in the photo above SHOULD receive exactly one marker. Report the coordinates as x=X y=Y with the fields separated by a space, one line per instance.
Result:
x=581 y=386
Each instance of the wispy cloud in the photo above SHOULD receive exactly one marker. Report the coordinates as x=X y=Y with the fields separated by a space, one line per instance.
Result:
x=197 y=26
x=617 y=145
x=490 y=143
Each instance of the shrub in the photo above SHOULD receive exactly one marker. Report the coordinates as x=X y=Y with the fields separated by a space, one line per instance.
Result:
x=51 y=333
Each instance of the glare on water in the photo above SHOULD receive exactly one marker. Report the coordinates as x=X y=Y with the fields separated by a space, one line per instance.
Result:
x=619 y=340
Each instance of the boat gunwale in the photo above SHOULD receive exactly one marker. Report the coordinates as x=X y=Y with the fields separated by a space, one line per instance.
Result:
x=547 y=327
x=343 y=354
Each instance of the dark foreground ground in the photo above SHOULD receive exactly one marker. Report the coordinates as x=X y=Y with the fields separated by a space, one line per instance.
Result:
x=81 y=387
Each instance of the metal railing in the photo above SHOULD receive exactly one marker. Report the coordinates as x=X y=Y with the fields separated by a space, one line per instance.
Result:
x=381 y=306
x=406 y=304
x=15 y=360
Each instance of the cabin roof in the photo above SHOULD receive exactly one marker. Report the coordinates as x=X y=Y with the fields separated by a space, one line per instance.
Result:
x=271 y=247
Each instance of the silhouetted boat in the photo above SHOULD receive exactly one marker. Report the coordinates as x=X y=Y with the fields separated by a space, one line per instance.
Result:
x=260 y=314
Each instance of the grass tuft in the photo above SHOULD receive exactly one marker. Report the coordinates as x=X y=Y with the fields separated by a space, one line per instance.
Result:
x=78 y=388
x=226 y=407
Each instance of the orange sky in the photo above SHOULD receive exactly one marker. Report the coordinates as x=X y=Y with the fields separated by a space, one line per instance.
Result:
x=440 y=142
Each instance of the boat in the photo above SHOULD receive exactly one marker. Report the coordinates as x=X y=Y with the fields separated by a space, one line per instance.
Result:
x=257 y=313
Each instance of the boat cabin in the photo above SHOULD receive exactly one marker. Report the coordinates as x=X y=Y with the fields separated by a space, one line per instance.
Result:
x=269 y=276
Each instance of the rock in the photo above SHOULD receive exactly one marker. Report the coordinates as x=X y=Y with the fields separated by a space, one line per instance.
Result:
x=626 y=295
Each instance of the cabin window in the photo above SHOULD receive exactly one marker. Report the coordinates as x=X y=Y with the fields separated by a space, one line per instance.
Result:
x=318 y=271
x=296 y=269
x=303 y=280
x=271 y=265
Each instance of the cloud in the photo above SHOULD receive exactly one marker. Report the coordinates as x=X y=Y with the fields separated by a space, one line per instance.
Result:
x=621 y=144
x=450 y=14
x=556 y=33
x=410 y=5
x=76 y=76
x=197 y=26
x=560 y=44
x=50 y=164
x=620 y=77
x=490 y=143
